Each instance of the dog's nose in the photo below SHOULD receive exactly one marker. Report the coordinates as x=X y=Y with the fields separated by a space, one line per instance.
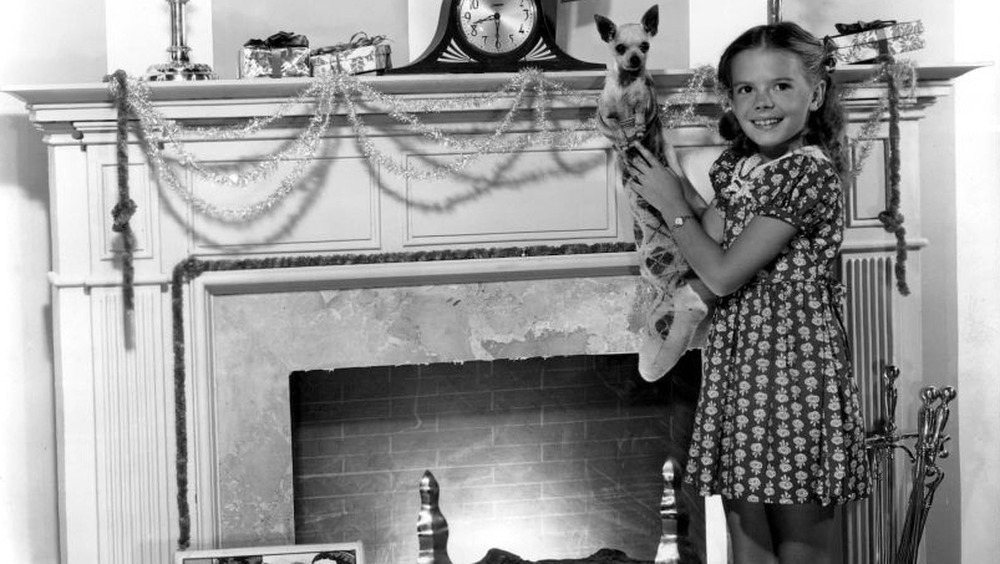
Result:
x=634 y=61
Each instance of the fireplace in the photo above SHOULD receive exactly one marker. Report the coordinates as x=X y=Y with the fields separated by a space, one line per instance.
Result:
x=495 y=386
x=553 y=457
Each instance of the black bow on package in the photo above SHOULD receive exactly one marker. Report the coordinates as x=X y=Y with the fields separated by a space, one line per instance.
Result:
x=359 y=39
x=858 y=27
x=279 y=40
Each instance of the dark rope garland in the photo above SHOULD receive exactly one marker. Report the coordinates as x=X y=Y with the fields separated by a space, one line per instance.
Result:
x=181 y=275
x=191 y=268
x=123 y=211
x=891 y=218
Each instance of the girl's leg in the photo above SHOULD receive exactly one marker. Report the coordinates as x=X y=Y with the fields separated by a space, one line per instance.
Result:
x=749 y=532
x=803 y=534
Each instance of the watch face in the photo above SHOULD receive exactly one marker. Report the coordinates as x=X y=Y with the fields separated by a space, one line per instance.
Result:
x=497 y=27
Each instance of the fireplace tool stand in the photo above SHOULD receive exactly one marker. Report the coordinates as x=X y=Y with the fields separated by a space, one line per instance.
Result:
x=928 y=447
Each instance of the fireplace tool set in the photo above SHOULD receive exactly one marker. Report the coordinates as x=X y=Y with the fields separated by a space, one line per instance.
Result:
x=928 y=447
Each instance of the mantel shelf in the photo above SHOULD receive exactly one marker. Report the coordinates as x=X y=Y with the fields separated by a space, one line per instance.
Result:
x=431 y=84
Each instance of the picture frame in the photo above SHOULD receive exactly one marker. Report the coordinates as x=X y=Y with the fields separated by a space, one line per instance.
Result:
x=329 y=553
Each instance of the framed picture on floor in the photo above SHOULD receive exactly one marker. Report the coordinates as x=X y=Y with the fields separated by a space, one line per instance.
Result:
x=332 y=553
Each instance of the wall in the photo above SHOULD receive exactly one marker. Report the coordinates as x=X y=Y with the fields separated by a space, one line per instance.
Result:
x=324 y=23
x=977 y=266
x=67 y=48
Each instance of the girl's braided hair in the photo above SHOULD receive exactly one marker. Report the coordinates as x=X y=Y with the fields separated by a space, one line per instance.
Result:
x=826 y=124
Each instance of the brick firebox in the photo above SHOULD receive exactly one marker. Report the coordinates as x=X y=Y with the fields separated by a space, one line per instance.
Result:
x=546 y=458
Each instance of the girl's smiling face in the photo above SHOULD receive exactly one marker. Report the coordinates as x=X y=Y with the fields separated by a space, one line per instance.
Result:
x=772 y=98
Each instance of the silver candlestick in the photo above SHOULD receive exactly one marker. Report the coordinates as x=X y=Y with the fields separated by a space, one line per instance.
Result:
x=773 y=11
x=180 y=66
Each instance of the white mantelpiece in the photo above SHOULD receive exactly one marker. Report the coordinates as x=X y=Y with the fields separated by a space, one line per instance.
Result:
x=115 y=396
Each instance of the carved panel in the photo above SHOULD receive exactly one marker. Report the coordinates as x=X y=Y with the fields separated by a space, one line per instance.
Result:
x=335 y=207
x=527 y=196
x=868 y=193
x=142 y=223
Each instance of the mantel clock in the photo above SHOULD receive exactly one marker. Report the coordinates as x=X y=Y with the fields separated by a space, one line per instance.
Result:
x=493 y=36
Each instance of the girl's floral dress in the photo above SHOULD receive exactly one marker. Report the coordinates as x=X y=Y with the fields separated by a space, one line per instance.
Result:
x=778 y=418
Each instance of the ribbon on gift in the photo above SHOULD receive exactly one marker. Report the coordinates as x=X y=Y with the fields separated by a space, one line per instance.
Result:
x=359 y=39
x=279 y=40
x=860 y=26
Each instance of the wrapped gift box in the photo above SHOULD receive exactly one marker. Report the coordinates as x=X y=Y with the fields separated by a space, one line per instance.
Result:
x=362 y=54
x=863 y=46
x=281 y=55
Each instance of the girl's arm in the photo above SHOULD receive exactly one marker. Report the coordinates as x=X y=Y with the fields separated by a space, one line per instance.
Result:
x=713 y=223
x=706 y=212
x=722 y=271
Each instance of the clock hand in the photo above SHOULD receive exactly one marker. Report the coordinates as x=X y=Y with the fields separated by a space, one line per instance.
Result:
x=496 y=18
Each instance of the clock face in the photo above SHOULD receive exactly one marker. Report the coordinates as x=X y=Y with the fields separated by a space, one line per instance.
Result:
x=496 y=27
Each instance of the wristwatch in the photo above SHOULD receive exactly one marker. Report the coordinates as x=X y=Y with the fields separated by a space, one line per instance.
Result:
x=680 y=220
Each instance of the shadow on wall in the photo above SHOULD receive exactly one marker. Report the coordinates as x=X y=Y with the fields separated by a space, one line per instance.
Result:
x=24 y=169
x=23 y=161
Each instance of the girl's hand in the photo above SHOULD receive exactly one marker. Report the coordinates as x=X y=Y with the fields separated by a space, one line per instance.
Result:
x=657 y=184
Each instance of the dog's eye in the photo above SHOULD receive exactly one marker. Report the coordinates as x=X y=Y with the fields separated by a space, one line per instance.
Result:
x=620 y=49
x=644 y=46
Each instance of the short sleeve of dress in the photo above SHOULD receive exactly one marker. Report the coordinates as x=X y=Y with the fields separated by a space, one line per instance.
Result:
x=804 y=190
x=720 y=175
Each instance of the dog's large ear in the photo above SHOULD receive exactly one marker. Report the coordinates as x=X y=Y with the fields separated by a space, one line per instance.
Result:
x=651 y=20
x=606 y=28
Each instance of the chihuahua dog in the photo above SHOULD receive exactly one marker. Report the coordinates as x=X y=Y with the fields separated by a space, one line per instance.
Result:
x=628 y=112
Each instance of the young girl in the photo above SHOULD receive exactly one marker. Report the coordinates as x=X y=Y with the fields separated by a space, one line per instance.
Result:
x=778 y=429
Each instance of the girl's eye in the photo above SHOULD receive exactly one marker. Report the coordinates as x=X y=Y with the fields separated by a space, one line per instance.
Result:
x=743 y=89
x=782 y=86
x=620 y=49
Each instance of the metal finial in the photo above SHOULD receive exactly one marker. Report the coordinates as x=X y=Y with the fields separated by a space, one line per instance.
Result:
x=180 y=66
x=773 y=11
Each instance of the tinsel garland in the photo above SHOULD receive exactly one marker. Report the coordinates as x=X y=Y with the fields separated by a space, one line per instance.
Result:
x=894 y=74
x=191 y=268
x=327 y=92
x=125 y=208
x=906 y=75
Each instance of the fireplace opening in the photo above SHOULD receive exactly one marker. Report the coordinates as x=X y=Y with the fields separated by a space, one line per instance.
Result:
x=546 y=457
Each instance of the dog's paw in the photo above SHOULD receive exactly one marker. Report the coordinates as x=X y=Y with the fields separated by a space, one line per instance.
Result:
x=635 y=134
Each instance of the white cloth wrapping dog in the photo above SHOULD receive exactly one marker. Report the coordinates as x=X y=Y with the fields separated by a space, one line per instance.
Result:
x=627 y=112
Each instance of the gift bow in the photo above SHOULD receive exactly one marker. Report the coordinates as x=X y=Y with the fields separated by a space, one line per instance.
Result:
x=279 y=40
x=359 y=39
x=860 y=26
